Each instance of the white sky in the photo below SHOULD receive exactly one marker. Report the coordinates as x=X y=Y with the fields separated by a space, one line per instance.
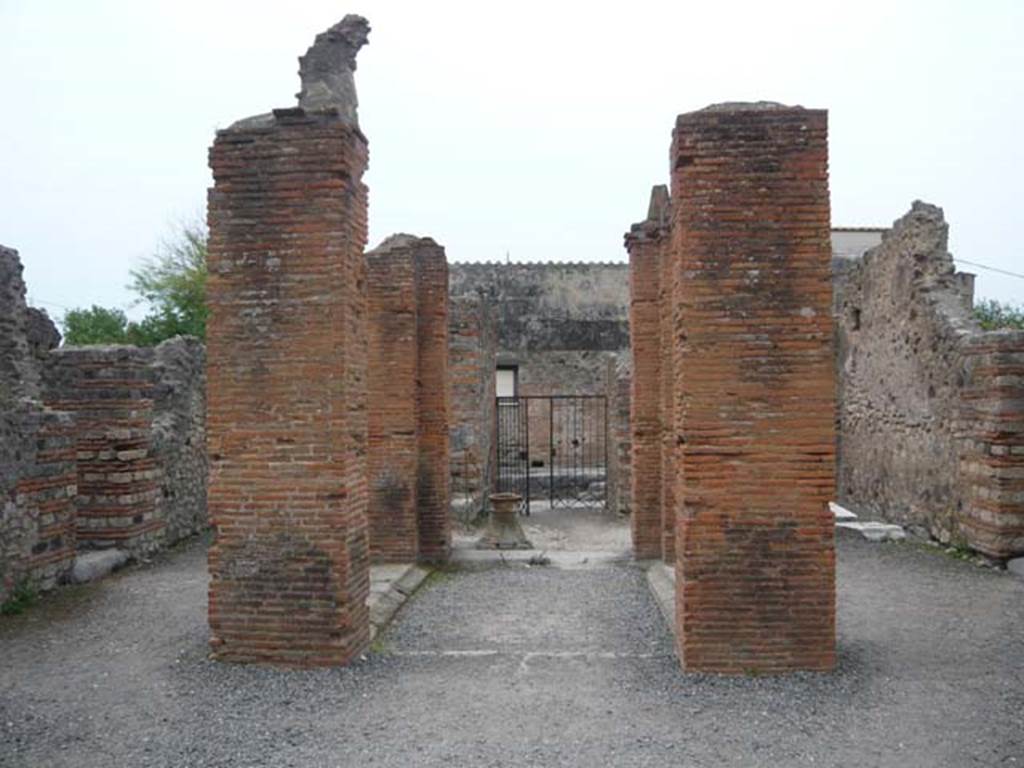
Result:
x=534 y=129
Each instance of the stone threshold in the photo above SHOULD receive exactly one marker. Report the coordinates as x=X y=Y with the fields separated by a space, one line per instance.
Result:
x=390 y=587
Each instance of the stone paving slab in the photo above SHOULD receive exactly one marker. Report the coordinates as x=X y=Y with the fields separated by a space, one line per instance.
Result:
x=390 y=586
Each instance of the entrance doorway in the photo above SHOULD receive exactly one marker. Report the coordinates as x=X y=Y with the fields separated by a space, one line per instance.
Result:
x=553 y=448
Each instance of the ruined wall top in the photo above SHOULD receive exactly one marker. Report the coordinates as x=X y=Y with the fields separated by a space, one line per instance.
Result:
x=658 y=217
x=19 y=374
x=326 y=69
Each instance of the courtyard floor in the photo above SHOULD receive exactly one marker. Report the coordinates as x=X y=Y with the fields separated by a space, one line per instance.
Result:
x=521 y=666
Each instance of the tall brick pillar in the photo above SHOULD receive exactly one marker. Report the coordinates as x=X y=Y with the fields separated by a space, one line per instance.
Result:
x=407 y=292
x=286 y=339
x=755 y=565
x=645 y=243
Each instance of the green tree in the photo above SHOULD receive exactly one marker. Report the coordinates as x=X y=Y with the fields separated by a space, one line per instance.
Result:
x=97 y=325
x=172 y=282
x=993 y=315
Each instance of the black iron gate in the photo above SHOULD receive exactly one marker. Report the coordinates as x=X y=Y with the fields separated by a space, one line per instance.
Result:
x=553 y=449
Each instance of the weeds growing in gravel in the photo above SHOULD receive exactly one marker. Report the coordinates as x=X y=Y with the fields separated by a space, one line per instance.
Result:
x=21 y=598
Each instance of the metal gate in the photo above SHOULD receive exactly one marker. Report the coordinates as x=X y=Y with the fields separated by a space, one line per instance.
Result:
x=553 y=449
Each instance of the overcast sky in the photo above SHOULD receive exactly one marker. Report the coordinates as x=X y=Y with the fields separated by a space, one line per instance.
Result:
x=521 y=128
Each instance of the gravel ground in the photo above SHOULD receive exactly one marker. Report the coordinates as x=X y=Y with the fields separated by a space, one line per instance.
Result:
x=519 y=666
x=559 y=530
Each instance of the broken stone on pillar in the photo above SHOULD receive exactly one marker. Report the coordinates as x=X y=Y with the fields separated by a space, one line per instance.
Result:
x=289 y=566
x=408 y=458
x=754 y=381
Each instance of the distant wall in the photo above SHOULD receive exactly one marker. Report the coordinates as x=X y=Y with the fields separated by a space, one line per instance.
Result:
x=931 y=407
x=471 y=358
x=560 y=324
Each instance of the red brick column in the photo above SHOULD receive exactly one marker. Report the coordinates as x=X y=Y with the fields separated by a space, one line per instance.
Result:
x=286 y=391
x=643 y=242
x=666 y=303
x=433 y=475
x=407 y=292
x=756 y=395
x=392 y=455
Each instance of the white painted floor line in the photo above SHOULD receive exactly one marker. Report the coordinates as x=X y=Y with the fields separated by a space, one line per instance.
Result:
x=529 y=654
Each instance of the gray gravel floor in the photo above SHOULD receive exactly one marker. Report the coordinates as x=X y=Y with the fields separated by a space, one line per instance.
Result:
x=521 y=667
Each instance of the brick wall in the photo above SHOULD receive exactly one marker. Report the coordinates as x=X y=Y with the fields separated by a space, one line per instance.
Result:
x=110 y=392
x=930 y=405
x=991 y=460
x=408 y=461
x=620 y=451
x=471 y=365
x=433 y=472
x=286 y=391
x=644 y=243
x=754 y=373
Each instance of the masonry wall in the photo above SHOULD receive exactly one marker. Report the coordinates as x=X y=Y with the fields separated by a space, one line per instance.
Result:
x=620 y=469
x=560 y=324
x=178 y=436
x=644 y=243
x=931 y=407
x=287 y=383
x=471 y=365
x=754 y=375
x=37 y=448
x=110 y=392
x=408 y=454
x=37 y=510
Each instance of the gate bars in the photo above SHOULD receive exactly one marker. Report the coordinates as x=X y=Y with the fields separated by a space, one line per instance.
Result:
x=553 y=447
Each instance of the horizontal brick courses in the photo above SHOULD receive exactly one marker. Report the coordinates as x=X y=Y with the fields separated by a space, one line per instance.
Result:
x=407 y=300
x=286 y=391
x=754 y=384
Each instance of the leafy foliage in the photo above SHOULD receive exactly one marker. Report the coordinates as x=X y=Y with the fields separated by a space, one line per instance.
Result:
x=993 y=315
x=97 y=325
x=172 y=282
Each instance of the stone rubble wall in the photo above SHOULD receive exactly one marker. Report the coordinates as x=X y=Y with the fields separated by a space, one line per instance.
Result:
x=178 y=436
x=19 y=366
x=37 y=451
x=140 y=435
x=37 y=507
x=931 y=408
x=471 y=366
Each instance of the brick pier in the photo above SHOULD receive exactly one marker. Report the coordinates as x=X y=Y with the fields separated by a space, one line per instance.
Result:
x=407 y=299
x=754 y=381
x=286 y=390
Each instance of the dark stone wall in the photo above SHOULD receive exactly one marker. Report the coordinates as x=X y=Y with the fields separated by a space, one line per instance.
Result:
x=551 y=307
